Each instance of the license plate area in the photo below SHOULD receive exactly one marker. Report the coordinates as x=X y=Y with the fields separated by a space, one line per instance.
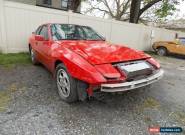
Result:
x=135 y=70
x=132 y=67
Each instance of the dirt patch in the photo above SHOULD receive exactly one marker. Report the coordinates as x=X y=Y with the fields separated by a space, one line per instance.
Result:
x=5 y=95
x=4 y=100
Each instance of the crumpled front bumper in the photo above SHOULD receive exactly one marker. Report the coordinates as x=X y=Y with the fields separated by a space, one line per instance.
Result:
x=118 y=87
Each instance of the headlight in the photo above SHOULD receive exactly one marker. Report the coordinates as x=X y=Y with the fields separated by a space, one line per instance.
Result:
x=108 y=71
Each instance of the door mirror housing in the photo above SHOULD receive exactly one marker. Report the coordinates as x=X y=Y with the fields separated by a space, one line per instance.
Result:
x=39 y=38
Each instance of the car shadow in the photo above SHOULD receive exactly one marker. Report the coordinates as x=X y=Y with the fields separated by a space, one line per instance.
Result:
x=131 y=98
x=127 y=99
x=176 y=56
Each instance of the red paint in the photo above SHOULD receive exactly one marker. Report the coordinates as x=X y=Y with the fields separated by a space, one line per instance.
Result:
x=154 y=62
x=39 y=38
x=102 y=52
x=90 y=90
x=108 y=71
x=89 y=61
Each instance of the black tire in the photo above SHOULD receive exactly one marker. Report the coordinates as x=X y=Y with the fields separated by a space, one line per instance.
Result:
x=33 y=56
x=162 y=51
x=66 y=85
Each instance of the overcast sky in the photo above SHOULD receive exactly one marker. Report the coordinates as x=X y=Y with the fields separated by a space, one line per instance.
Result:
x=182 y=9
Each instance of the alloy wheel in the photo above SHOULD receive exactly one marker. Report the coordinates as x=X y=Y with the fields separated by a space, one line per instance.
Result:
x=161 y=52
x=63 y=83
x=32 y=55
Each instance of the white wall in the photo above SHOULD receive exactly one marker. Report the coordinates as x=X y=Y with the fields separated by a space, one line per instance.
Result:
x=3 y=45
x=19 y=20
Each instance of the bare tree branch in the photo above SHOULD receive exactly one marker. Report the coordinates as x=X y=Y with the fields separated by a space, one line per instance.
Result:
x=147 y=6
x=125 y=7
x=107 y=5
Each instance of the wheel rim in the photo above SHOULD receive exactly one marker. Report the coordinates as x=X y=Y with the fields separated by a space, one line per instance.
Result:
x=161 y=52
x=32 y=55
x=63 y=83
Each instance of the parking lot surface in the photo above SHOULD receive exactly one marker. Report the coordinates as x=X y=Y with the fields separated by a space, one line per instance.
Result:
x=29 y=104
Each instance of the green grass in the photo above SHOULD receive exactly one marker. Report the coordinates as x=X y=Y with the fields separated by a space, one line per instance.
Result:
x=12 y=59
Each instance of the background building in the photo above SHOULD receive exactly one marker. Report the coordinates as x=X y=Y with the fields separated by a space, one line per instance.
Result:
x=30 y=2
x=56 y=4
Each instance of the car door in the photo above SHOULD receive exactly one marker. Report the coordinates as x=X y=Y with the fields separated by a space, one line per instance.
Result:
x=36 y=42
x=173 y=47
x=181 y=47
x=45 y=47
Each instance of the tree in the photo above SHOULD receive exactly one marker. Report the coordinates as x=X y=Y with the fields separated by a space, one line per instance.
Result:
x=134 y=10
x=117 y=9
x=166 y=7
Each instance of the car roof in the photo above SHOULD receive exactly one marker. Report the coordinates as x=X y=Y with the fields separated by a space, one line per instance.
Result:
x=64 y=24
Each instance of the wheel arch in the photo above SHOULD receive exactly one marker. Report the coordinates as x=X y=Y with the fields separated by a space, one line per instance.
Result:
x=79 y=69
x=160 y=46
x=57 y=62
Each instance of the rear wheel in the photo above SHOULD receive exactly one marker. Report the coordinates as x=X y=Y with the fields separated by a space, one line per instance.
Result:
x=33 y=56
x=162 y=51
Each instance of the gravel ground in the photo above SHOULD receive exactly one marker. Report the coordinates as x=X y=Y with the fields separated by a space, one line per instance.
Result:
x=29 y=104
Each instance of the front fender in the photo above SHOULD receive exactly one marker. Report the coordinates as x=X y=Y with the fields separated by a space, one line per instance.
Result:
x=77 y=66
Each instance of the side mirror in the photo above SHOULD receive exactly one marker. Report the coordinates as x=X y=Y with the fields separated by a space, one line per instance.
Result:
x=39 y=38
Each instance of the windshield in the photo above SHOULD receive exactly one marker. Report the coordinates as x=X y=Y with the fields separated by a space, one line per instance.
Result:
x=73 y=32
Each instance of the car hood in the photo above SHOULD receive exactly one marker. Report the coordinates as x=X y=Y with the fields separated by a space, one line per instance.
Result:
x=101 y=52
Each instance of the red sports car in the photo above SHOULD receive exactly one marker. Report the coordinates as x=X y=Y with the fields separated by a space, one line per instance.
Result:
x=83 y=62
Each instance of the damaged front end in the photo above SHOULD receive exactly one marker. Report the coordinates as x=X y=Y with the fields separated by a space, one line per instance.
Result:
x=138 y=74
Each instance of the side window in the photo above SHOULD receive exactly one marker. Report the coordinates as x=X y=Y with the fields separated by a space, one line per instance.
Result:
x=44 y=32
x=182 y=41
x=47 y=2
x=38 y=30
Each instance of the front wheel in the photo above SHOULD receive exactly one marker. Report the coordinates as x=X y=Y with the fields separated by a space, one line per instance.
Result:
x=162 y=51
x=66 y=84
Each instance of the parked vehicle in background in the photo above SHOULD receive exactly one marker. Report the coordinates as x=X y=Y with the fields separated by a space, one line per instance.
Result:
x=83 y=62
x=163 y=48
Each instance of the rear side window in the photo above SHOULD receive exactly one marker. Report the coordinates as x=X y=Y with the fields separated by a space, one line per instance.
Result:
x=38 y=30
x=44 y=32
x=182 y=41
